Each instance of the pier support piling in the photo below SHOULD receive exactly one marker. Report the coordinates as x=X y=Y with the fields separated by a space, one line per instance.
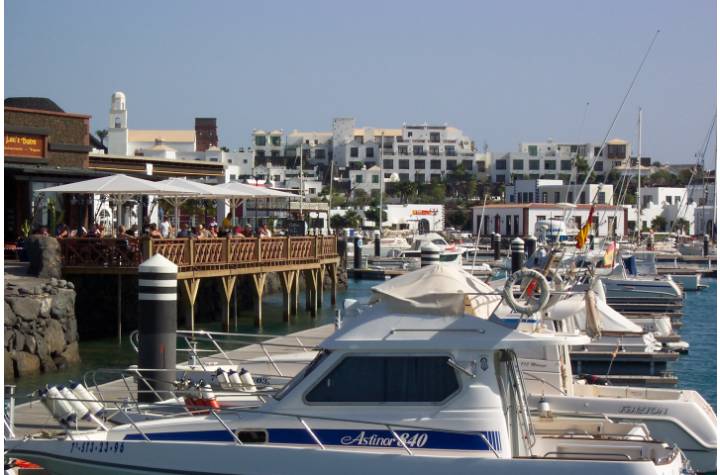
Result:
x=333 y=281
x=191 y=290
x=287 y=280
x=228 y=286
x=320 y=280
x=311 y=278
x=259 y=281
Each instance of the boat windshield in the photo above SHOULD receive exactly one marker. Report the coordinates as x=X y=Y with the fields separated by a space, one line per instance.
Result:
x=302 y=374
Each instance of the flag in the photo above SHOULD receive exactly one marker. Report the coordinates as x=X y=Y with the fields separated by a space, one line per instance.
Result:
x=585 y=230
x=609 y=257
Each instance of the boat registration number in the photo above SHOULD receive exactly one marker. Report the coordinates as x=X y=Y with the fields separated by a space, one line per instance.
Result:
x=95 y=446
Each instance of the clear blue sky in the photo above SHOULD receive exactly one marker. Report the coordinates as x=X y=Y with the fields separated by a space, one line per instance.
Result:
x=503 y=71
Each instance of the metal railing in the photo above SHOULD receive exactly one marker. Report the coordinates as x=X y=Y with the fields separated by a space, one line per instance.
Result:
x=198 y=254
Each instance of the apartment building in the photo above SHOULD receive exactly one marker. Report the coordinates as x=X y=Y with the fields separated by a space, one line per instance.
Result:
x=557 y=191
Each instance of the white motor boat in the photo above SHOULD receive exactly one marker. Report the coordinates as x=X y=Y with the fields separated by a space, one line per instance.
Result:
x=399 y=388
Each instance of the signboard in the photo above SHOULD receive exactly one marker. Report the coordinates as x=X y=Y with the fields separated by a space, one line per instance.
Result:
x=295 y=227
x=21 y=145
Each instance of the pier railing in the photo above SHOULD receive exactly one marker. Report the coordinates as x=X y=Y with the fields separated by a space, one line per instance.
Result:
x=191 y=254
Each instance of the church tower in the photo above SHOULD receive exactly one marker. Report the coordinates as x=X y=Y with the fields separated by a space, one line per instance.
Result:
x=117 y=130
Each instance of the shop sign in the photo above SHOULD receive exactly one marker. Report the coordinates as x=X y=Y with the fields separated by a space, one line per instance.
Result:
x=424 y=212
x=20 y=145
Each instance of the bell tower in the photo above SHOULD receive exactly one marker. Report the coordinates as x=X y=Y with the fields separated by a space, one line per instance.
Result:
x=117 y=128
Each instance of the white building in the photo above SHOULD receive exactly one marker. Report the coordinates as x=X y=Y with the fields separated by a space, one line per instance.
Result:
x=556 y=160
x=367 y=179
x=514 y=219
x=416 y=217
x=556 y=191
x=669 y=202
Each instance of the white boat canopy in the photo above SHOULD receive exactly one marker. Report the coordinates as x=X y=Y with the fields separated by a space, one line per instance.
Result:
x=439 y=288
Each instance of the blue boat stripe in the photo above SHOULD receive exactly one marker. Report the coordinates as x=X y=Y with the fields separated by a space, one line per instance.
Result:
x=414 y=439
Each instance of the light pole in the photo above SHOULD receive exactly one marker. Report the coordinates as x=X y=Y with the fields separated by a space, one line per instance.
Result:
x=382 y=182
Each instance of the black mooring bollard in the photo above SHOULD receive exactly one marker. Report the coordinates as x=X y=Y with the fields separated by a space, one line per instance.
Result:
x=157 y=317
x=358 y=252
x=517 y=253
x=706 y=245
x=530 y=246
x=429 y=255
x=377 y=245
x=496 y=245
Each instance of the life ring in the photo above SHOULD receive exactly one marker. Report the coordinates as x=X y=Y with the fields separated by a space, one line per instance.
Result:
x=534 y=304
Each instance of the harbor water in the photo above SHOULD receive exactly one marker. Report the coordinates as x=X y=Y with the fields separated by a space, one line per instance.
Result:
x=697 y=370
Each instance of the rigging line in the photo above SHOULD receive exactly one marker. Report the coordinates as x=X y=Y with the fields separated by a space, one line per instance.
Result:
x=612 y=124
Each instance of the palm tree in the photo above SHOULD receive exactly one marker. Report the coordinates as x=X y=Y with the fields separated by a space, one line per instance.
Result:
x=102 y=135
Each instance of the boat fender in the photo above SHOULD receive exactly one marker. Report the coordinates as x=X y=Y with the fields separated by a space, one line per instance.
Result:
x=544 y=407
x=208 y=396
x=58 y=406
x=81 y=410
x=235 y=380
x=534 y=304
x=88 y=398
x=222 y=378
x=247 y=380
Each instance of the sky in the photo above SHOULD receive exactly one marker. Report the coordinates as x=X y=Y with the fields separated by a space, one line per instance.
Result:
x=502 y=71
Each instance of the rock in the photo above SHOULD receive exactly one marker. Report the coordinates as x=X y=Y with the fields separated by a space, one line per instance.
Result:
x=71 y=333
x=26 y=308
x=62 y=283
x=70 y=285
x=60 y=362
x=45 y=305
x=72 y=353
x=53 y=281
x=54 y=337
x=9 y=316
x=44 y=255
x=9 y=369
x=63 y=304
x=19 y=340
x=8 y=338
x=30 y=343
x=26 y=363
x=23 y=291
x=53 y=291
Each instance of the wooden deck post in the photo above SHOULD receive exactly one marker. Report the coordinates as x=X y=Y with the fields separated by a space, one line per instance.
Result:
x=286 y=280
x=295 y=293
x=259 y=281
x=311 y=278
x=319 y=287
x=333 y=280
x=191 y=290
x=228 y=286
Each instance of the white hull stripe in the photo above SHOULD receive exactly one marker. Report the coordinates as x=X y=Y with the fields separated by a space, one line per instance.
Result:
x=168 y=297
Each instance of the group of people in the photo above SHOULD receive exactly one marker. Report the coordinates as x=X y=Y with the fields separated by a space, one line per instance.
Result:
x=164 y=230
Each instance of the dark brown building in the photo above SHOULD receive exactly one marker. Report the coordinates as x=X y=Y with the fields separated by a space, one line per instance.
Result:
x=205 y=133
x=44 y=146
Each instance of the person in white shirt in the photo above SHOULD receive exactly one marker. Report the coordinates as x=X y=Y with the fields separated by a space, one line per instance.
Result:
x=165 y=227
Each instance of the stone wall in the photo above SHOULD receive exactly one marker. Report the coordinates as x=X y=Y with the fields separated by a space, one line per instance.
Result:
x=40 y=326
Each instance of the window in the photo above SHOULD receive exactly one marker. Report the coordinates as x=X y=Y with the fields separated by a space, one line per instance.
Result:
x=359 y=139
x=450 y=150
x=402 y=149
x=302 y=375
x=409 y=134
x=468 y=165
x=275 y=141
x=601 y=197
x=423 y=379
x=597 y=151
x=501 y=165
x=434 y=137
x=534 y=164
x=117 y=122
x=566 y=164
x=436 y=178
x=358 y=178
x=369 y=152
x=435 y=164
x=481 y=167
x=419 y=178
x=434 y=150
x=420 y=164
x=418 y=150
x=306 y=153
x=518 y=164
x=404 y=164
x=389 y=163
x=404 y=177
x=550 y=164
x=557 y=197
x=260 y=153
x=668 y=199
x=260 y=140
x=532 y=150
x=354 y=152
x=451 y=164
x=233 y=177
x=616 y=151
x=320 y=154
x=544 y=196
x=570 y=198
x=275 y=153
x=376 y=178
x=598 y=167
x=582 y=198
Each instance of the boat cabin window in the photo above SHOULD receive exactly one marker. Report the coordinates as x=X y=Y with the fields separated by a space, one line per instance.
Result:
x=387 y=379
x=302 y=374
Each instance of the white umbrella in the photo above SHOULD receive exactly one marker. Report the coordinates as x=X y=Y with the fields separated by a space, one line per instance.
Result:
x=237 y=192
x=119 y=188
x=199 y=190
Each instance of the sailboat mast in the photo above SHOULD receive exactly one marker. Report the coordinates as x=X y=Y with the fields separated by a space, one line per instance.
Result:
x=639 y=179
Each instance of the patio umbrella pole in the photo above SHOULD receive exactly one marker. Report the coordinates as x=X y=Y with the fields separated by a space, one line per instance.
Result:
x=119 y=309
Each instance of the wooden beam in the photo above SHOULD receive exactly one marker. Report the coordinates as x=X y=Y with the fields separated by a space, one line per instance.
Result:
x=333 y=283
x=311 y=278
x=286 y=280
x=191 y=290
x=259 y=281
x=295 y=293
x=320 y=282
x=228 y=286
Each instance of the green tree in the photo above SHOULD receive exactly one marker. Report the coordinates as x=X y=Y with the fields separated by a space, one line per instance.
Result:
x=458 y=218
x=407 y=190
x=352 y=218
x=102 y=135
x=662 y=178
x=437 y=193
x=361 y=198
x=681 y=224
x=659 y=223
x=372 y=215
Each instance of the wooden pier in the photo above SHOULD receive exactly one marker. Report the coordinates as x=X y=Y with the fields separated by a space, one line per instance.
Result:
x=294 y=258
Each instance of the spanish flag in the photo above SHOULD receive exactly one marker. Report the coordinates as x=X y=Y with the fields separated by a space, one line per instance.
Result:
x=585 y=230
x=609 y=258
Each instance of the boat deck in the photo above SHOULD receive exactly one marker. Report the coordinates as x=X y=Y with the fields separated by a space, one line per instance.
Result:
x=33 y=416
